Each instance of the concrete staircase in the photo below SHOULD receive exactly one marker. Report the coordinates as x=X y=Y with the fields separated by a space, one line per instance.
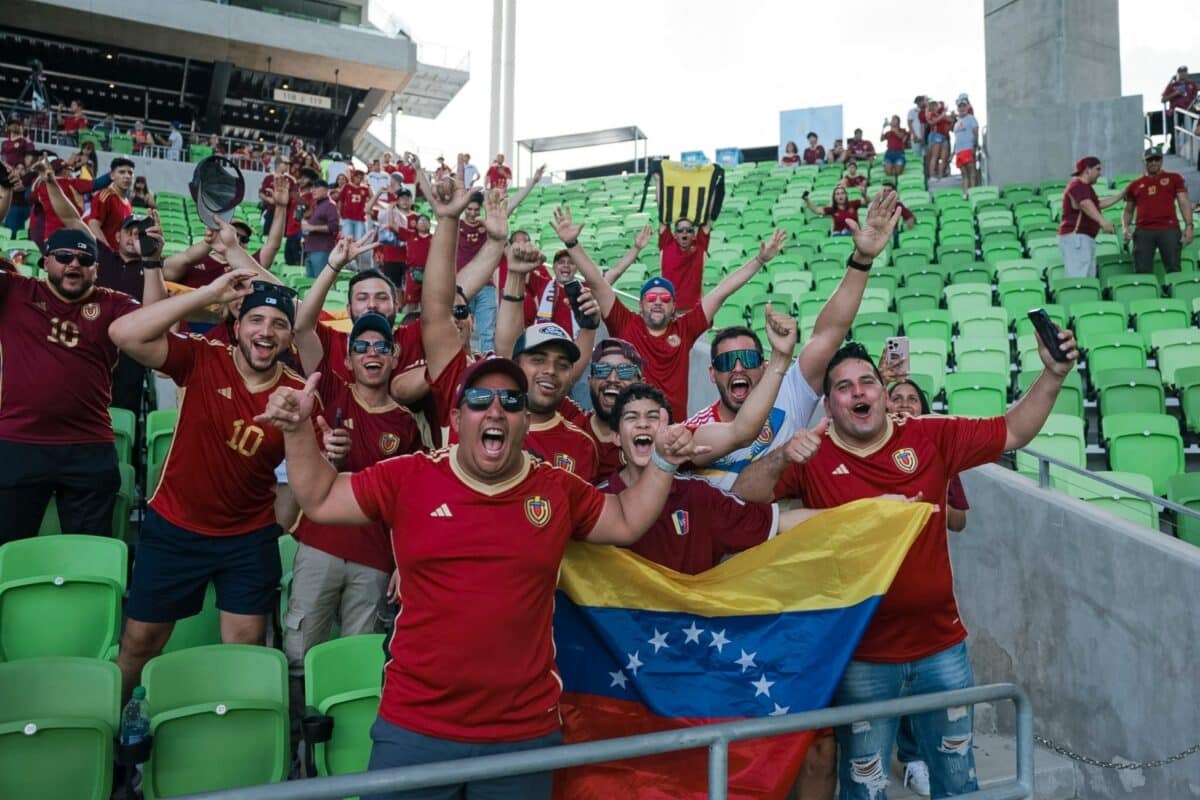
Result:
x=1188 y=170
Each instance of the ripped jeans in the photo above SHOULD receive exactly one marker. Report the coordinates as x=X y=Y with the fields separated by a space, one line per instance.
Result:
x=943 y=737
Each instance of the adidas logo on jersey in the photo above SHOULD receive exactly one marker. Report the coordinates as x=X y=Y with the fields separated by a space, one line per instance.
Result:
x=226 y=392
x=441 y=511
x=840 y=469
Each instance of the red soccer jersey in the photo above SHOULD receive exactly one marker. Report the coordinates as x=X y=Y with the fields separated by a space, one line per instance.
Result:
x=71 y=124
x=498 y=177
x=208 y=269
x=666 y=355
x=56 y=370
x=790 y=160
x=840 y=215
x=1073 y=218
x=408 y=172
x=470 y=241
x=219 y=476
x=418 y=249
x=110 y=210
x=918 y=616
x=353 y=205
x=375 y=434
x=814 y=155
x=72 y=188
x=854 y=181
x=895 y=141
x=444 y=389
x=478 y=564
x=700 y=524
x=611 y=458
x=684 y=270
x=564 y=445
x=337 y=343
x=13 y=151
x=293 y=224
x=861 y=149
x=1154 y=197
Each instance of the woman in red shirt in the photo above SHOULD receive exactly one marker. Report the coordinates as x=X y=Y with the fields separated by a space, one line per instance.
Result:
x=896 y=139
x=791 y=155
x=938 y=122
x=843 y=208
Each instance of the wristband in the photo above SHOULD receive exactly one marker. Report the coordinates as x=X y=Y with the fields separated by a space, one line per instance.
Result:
x=571 y=244
x=151 y=265
x=512 y=298
x=852 y=264
x=662 y=463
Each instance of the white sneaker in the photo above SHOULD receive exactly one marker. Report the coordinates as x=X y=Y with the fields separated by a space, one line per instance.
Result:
x=916 y=777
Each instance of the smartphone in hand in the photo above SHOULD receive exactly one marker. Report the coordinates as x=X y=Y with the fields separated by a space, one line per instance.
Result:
x=896 y=352
x=1047 y=331
x=573 y=288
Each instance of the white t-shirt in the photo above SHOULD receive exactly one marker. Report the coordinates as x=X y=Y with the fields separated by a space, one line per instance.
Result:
x=914 y=122
x=793 y=409
x=470 y=175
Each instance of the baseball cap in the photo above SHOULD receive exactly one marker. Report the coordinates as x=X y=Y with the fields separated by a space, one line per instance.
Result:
x=609 y=347
x=372 y=321
x=490 y=366
x=1153 y=152
x=1087 y=162
x=657 y=282
x=68 y=239
x=217 y=186
x=132 y=219
x=274 y=295
x=542 y=334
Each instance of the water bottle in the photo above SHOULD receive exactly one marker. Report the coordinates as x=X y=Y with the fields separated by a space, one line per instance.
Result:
x=135 y=719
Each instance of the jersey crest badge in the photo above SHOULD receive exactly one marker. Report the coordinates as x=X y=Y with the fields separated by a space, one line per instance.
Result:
x=1164 y=181
x=389 y=443
x=906 y=459
x=91 y=311
x=674 y=340
x=537 y=510
x=679 y=519
x=564 y=461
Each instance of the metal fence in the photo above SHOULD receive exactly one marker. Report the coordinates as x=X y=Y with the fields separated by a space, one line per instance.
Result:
x=1187 y=135
x=714 y=737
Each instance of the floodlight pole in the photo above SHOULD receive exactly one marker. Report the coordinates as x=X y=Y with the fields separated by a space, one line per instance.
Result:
x=497 y=43
x=510 y=37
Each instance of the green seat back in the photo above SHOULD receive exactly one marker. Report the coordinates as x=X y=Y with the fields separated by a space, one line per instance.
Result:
x=1159 y=314
x=976 y=394
x=1070 y=396
x=1116 y=501
x=1123 y=391
x=1097 y=317
x=1148 y=444
x=1061 y=437
x=124 y=432
x=1115 y=351
x=1185 y=490
x=343 y=679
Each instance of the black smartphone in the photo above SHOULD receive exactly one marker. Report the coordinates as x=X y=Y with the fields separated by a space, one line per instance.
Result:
x=1047 y=331
x=337 y=419
x=572 y=288
x=148 y=244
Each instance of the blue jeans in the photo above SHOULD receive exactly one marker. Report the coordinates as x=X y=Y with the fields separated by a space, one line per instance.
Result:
x=314 y=262
x=483 y=308
x=943 y=737
x=394 y=746
x=354 y=229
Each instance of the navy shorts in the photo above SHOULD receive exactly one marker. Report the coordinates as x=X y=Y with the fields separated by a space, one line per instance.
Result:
x=172 y=568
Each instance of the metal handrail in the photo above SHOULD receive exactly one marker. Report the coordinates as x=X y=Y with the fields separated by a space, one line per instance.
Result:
x=1045 y=461
x=1185 y=123
x=715 y=737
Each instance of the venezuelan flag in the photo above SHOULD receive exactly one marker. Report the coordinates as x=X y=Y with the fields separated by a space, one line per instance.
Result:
x=643 y=648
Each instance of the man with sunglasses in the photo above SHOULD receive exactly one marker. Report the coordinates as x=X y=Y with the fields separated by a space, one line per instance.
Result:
x=338 y=571
x=615 y=366
x=216 y=522
x=1155 y=197
x=478 y=532
x=56 y=437
x=662 y=338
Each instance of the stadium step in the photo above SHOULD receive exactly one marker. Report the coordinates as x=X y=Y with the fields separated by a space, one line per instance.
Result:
x=1185 y=168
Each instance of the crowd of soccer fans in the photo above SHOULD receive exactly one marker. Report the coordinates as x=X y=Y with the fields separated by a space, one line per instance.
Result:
x=429 y=457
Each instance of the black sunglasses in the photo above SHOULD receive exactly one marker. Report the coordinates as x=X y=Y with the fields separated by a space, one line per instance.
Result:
x=724 y=362
x=67 y=256
x=685 y=229
x=460 y=311
x=273 y=288
x=625 y=372
x=361 y=346
x=511 y=400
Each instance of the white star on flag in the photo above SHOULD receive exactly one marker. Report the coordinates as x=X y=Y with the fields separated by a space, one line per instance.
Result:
x=634 y=662
x=779 y=711
x=762 y=686
x=618 y=679
x=659 y=641
x=693 y=633
x=718 y=640
x=747 y=660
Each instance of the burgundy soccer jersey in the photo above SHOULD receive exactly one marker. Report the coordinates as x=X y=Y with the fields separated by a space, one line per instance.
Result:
x=700 y=524
x=564 y=445
x=375 y=434
x=1073 y=218
x=895 y=141
x=353 y=202
x=666 y=355
x=1154 y=197
x=472 y=657
x=684 y=270
x=219 y=476
x=918 y=616
x=814 y=155
x=110 y=210
x=72 y=189
x=208 y=269
x=840 y=215
x=470 y=241
x=609 y=453
x=56 y=370
x=337 y=343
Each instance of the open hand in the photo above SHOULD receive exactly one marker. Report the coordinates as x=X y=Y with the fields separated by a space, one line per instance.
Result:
x=564 y=226
x=643 y=237
x=346 y=249
x=231 y=285
x=882 y=215
x=772 y=247
x=495 y=221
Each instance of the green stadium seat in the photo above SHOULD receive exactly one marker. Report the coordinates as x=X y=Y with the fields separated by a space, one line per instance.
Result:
x=1175 y=349
x=124 y=432
x=61 y=596
x=964 y=300
x=1018 y=297
x=976 y=394
x=1061 y=437
x=1127 y=288
x=1124 y=391
x=1159 y=314
x=1187 y=384
x=972 y=272
x=875 y=326
x=1122 y=503
x=985 y=323
x=59 y=718
x=1115 y=351
x=1068 y=291
x=343 y=681
x=982 y=355
x=930 y=277
x=729 y=315
x=1185 y=490
x=1070 y=396
x=219 y=719
x=126 y=494
x=1097 y=317
x=927 y=356
x=1183 y=286
x=935 y=323
x=1018 y=269
x=910 y=299
x=1149 y=444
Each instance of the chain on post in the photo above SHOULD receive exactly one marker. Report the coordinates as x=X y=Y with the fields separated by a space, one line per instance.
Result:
x=1095 y=762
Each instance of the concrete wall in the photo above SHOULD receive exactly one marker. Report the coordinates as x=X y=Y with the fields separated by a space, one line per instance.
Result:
x=1098 y=619
x=1053 y=89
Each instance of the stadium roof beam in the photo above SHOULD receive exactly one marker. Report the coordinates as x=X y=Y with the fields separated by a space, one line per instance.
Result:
x=572 y=141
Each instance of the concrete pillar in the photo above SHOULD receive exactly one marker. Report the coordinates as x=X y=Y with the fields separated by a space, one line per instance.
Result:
x=510 y=43
x=1054 y=90
x=497 y=106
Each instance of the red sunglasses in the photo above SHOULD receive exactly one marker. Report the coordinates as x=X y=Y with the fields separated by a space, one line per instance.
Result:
x=657 y=297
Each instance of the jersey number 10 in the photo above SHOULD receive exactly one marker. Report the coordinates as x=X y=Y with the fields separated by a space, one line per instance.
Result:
x=246 y=439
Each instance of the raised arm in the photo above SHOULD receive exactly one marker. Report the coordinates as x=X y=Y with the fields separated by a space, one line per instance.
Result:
x=439 y=335
x=176 y=266
x=820 y=212
x=510 y=317
x=1027 y=416
x=476 y=273
x=639 y=244
x=524 y=191
x=63 y=208
x=738 y=278
x=281 y=195
x=236 y=255
x=725 y=437
x=756 y=482
x=308 y=343
x=568 y=232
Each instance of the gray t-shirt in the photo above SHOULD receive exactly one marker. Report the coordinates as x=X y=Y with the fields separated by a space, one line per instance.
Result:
x=966 y=131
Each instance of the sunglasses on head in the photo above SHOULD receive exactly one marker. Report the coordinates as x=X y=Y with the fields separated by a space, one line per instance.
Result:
x=273 y=288
x=625 y=372
x=657 y=297
x=460 y=311
x=724 y=362
x=511 y=400
x=361 y=346
x=67 y=256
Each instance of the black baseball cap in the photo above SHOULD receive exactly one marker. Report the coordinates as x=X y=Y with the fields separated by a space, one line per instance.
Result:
x=373 y=321
x=70 y=239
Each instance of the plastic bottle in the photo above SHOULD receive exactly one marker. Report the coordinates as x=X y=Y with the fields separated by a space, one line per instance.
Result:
x=135 y=719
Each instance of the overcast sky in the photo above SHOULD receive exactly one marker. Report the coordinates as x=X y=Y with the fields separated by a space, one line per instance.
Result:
x=707 y=74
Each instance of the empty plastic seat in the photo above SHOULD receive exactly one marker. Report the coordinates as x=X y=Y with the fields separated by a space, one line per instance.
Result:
x=1187 y=384
x=1061 y=438
x=1149 y=444
x=219 y=716
x=976 y=394
x=58 y=719
x=1183 y=286
x=1175 y=349
x=1185 y=490
x=875 y=326
x=1159 y=314
x=1123 y=391
x=928 y=357
x=1018 y=297
x=124 y=432
x=1069 y=291
x=1115 y=351
x=984 y=323
x=982 y=354
x=910 y=298
x=343 y=680
x=932 y=324
x=1125 y=289
x=1097 y=317
x=964 y=300
x=1121 y=502
x=1070 y=395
